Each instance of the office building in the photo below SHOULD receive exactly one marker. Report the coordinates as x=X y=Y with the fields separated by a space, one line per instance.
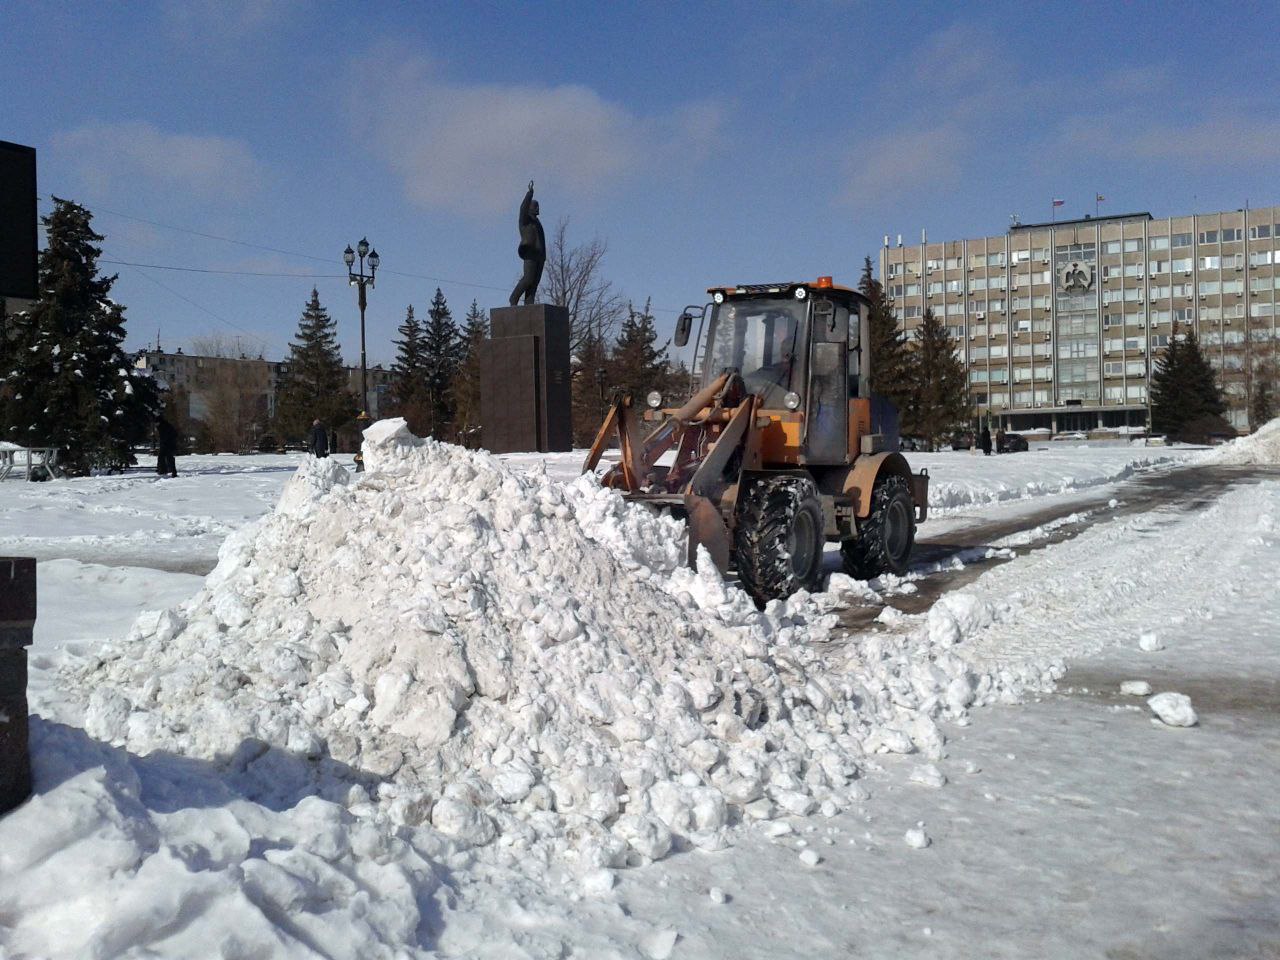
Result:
x=1059 y=323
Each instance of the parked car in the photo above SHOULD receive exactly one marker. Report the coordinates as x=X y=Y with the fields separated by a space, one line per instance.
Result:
x=962 y=441
x=1013 y=443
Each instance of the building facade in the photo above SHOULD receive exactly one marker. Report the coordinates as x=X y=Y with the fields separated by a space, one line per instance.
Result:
x=206 y=381
x=1059 y=323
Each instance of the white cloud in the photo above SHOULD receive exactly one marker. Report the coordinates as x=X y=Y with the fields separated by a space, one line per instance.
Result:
x=112 y=156
x=471 y=147
x=905 y=163
x=221 y=21
x=1218 y=142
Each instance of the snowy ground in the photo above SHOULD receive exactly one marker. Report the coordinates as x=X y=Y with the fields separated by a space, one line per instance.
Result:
x=1070 y=825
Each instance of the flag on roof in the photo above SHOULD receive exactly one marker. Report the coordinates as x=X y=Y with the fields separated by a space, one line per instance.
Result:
x=1058 y=203
x=1099 y=198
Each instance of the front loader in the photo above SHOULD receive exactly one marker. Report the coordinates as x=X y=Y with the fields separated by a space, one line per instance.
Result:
x=781 y=449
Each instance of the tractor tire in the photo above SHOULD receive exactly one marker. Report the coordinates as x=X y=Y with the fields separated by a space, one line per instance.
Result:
x=778 y=539
x=885 y=538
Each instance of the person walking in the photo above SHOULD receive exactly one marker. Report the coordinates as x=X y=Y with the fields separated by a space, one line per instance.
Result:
x=319 y=439
x=986 y=441
x=166 y=449
x=1000 y=440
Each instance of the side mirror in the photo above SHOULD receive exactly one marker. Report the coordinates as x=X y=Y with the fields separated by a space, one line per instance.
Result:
x=684 y=324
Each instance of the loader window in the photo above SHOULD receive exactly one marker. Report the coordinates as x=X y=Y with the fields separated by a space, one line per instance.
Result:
x=764 y=341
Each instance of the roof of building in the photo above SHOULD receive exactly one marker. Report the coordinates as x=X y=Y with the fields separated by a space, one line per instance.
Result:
x=1086 y=219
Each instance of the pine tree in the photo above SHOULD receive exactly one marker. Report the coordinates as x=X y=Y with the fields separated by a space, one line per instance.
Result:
x=409 y=375
x=442 y=349
x=69 y=383
x=590 y=392
x=890 y=363
x=938 y=399
x=466 y=381
x=1262 y=403
x=315 y=386
x=636 y=366
x=1186 y=402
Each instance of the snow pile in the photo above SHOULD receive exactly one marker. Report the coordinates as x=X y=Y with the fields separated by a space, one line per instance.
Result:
x=503 y=656
x=1261 y=447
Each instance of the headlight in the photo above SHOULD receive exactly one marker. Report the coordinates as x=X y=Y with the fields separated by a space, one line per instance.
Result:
x=654 y=399
x=718 y=296
x=791 y=401
x=801 y=293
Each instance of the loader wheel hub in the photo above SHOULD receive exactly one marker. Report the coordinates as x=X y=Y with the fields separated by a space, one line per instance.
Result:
x=898 y=532
x=801 y=544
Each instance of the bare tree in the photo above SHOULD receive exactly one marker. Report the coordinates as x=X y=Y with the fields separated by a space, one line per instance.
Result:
x=220 y=345
x=572 y=278
x=230 y=392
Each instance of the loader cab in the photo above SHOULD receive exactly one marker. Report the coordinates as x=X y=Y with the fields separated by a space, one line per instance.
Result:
x=802 y=349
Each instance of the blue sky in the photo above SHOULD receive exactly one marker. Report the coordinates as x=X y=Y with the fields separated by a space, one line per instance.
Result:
x=705 y=143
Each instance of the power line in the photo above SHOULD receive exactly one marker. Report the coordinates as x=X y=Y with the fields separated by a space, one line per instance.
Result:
x=234 y=273
x=288 y=253
x=235 y=326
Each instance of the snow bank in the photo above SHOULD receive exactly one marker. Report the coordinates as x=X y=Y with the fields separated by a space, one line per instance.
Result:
x=504 y=657
x=1260 y=447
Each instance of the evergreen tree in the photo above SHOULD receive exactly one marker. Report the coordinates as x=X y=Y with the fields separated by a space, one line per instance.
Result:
x=1262 y=403
x=591 y=387
x=442 y=349
x=636 y=366
x=315 y=386
x=68 y=381
x=1186 y=402
x=409 y=374
x=938 y=399
x=466 y=381
x=890 y=362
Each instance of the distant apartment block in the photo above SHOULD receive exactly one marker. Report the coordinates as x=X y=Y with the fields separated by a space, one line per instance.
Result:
x=1059 y=323
x=257 y=380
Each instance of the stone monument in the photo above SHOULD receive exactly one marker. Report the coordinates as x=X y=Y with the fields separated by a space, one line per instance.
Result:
x=525 y=391
x=17 y=623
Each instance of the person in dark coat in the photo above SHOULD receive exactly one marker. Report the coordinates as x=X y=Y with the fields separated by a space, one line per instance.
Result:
x=319 y=439
x=985 y=442
x=166 y=449
x=1000 y=440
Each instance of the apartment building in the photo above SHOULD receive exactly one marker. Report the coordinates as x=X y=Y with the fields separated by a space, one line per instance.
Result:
x=256 y=380
x=1059 y=323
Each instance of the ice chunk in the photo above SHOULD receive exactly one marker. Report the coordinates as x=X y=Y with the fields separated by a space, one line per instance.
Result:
x=916 y=838
x=1173 y=709
x=1135 y=688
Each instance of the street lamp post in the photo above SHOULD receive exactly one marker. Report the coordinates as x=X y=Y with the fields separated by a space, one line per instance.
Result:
x=361 y=280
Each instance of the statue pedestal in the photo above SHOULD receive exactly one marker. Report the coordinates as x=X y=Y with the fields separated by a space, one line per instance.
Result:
x=525 y=386
x=17 y=623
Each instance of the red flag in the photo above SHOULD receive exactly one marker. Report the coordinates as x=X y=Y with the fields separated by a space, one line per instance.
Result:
x=1058 y=203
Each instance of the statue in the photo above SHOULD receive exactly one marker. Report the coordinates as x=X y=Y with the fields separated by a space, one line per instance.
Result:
x=532 y=249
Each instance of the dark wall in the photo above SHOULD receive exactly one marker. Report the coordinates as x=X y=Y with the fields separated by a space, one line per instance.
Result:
x=17 y=221
x=525 y=402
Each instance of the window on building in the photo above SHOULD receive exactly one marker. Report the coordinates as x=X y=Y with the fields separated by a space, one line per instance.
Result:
x=1208 y=287
x=1260 y=258
x=977 y=283
x=1113 y=368
x=1022 y=350
x=955 y=286
x=1210 y=263
x=996 y=305
x=995 y=283
x=1022 y=326
x=995 y=259
x=1160 y=340
x=1233 y=261
x=1231 y=234
x=954 y=309
x=932 y=264
x=1182 y=290
x=1159 y=316
x=1136 y=392
x=1158 y=243
x=935 y=286
x=1000 y=375
x=1133 y=245
x=1183 y=315
x=1159 y=292
x=1208 y=236
x=913 y=289
x=1182 y=263
x=1020 y=256
x=1158 y=266
x=1111 y=246
x=1135 y=368
x=1260 y=231
x=977 y=376
x=914 y=311
x=1133 y=294
x=1113 y=394
x=1261 y=309
x=1133 y=269
x=954 y=263
x=1233 y=286
x=1182 y=239
x=999 y=329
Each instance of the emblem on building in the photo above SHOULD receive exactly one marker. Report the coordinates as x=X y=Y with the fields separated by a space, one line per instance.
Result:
x=1075 y=277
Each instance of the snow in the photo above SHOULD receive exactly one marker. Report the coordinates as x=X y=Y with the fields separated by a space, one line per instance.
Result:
x=1260 y=447
x=1173 y=709
x=1135 y=688
x=251 y=844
